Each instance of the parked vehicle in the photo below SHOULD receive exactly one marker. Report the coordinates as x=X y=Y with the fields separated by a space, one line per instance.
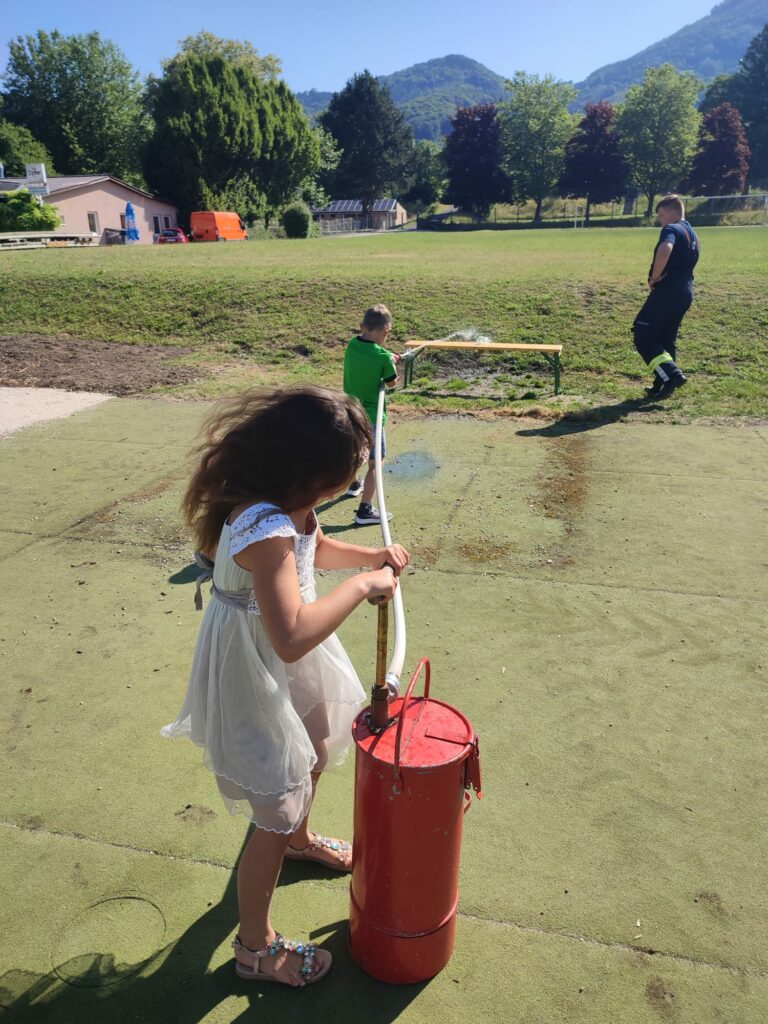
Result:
x=213 y=226
x=171 y=236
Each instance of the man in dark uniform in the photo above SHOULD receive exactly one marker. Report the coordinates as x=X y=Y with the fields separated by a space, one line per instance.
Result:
x=671 y=285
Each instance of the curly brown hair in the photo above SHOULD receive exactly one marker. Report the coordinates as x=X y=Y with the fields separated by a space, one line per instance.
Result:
x=290 y=446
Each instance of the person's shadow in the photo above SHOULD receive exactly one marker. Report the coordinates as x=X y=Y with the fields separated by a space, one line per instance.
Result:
x=591 y=419
x=176 y=984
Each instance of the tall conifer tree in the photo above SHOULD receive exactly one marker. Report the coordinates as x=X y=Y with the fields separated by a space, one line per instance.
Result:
x=376 y=143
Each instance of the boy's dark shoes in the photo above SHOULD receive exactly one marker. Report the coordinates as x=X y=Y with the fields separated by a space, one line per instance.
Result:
x=355 y=488
x=367 y=515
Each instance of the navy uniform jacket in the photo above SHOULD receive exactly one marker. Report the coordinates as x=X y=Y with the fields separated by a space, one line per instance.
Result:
x=678 y=273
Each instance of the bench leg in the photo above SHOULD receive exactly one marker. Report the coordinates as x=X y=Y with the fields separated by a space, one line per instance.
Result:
x=408 y=372
x=557 y=373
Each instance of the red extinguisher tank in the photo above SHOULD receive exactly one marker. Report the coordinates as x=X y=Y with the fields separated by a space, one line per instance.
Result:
x=411 y=794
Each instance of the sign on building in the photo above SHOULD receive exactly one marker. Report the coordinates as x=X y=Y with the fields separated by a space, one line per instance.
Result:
x=37 y=179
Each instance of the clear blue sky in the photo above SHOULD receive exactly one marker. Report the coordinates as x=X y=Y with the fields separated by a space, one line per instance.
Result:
x=322 y=44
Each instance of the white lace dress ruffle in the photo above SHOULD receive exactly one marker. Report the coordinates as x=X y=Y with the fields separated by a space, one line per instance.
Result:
x=265 y=725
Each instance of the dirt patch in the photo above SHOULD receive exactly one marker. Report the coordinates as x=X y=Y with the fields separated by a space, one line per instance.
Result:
x=712 y=900
x=481 y=551
x=661 y=996
x=425 y=554
x=196 y=814
x=561 y=495
x=33 y=360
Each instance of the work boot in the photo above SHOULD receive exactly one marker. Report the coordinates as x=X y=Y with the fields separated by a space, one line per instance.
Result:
x=655 y=388
x=675 y=379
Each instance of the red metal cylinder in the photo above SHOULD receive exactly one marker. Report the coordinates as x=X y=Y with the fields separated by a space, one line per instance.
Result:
x=411 y=794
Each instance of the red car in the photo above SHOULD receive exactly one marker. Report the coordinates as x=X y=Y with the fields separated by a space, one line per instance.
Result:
x=170 y=236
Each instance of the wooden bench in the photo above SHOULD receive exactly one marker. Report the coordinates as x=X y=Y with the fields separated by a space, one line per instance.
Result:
x=551 y=353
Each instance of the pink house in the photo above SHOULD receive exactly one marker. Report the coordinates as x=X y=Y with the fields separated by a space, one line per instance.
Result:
x=95 y=204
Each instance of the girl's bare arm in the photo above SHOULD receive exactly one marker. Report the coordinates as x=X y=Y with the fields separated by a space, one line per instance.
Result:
x=335 y=554
x=296 y=628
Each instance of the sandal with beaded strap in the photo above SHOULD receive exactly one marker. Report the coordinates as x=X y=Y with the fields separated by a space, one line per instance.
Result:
x=315 y=962
x=318 y=850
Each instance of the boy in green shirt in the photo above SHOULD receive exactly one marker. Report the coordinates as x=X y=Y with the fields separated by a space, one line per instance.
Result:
x=366 y=364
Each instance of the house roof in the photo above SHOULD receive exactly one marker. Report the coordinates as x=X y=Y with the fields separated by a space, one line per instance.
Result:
x=67 y=182
x=356 y=206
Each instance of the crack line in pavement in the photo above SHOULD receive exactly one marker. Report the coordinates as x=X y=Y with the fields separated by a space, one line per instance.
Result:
x=630 y=589
x=527 y=929
x=457 y=503
x=608 y=586
x=623 y=947
x=78 y=837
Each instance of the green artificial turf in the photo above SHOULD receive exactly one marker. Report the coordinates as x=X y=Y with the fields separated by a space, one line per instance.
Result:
x=282 y=310
x=593 y=599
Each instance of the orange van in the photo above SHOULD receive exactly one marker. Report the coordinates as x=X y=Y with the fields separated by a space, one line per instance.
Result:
x=217 y=227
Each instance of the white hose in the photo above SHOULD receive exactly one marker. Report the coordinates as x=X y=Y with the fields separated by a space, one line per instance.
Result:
x=398 y=649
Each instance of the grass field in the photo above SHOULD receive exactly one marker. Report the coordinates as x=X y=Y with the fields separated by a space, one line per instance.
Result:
x=282 y=310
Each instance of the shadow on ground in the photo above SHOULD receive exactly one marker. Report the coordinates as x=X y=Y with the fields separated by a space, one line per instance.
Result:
x=177 y=984
x=591 y=419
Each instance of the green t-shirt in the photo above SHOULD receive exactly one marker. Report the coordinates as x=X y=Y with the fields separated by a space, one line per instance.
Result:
x=366 y=365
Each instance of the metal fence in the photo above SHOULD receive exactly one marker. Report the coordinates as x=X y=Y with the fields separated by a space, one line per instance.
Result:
x=745 y=210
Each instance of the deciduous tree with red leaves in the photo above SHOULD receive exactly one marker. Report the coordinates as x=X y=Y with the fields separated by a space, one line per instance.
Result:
x=721 y=165
x=473 y=160
x=594 y=166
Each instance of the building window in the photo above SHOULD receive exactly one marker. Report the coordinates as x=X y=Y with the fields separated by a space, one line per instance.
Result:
x=156 y=222
x=122 y=221
x=93 y=223
x=167 y=221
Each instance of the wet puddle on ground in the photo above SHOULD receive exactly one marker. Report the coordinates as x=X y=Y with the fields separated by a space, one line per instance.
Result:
x=412 y=465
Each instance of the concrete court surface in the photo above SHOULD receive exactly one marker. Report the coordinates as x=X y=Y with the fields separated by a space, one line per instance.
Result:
x=594 y=600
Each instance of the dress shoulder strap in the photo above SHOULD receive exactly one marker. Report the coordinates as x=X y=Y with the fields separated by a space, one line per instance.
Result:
x=259 y=522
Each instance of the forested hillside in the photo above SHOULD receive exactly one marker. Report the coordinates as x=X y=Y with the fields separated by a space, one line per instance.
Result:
x=710 y=46
x=429 y=93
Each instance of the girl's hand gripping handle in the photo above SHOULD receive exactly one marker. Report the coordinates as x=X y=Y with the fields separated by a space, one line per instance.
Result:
x=383 y=584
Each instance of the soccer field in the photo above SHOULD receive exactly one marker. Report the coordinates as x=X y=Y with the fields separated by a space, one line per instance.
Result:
x=281 y=310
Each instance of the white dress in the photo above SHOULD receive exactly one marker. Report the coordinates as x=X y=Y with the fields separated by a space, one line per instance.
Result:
x=265 y=725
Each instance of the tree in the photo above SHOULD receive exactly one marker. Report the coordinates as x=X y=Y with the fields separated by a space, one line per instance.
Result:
x=473 y=157
x=208 y=137
x=226 y=138
x=721 y=165
x=314 y=189
x=21 y=211
x=748 y=92
x=290 y=149
x=81 y=99
x=234 y=51
x=658 y=128
x=535 y=127
x=19 y=147
x=428 y=175
x=375 y=142
x=594 y=166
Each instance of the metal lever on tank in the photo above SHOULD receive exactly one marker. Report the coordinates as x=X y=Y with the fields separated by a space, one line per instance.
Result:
x=380 y=693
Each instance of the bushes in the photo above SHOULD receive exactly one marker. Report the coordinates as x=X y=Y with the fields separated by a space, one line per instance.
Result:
x=296 y=219
x=21 y=211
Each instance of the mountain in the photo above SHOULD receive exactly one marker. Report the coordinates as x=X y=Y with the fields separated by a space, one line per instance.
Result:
x=710 y=46
x=429 y=93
